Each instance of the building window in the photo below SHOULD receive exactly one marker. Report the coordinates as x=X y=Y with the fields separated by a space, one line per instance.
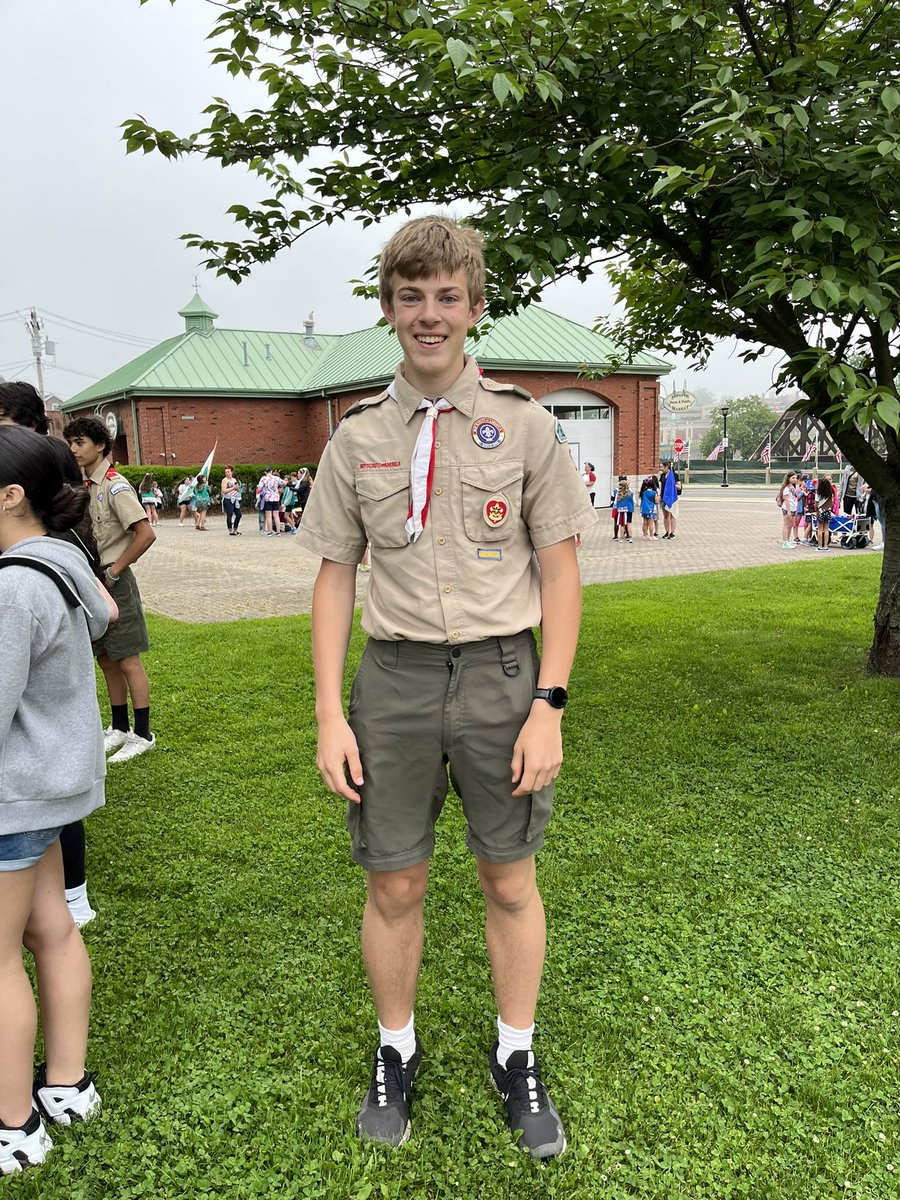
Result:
x=579 y=412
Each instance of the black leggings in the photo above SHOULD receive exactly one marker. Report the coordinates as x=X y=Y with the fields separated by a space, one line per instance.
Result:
x=71 y=842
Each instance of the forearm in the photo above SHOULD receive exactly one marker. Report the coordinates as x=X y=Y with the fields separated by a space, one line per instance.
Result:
x=560 y=613
x=334 y=596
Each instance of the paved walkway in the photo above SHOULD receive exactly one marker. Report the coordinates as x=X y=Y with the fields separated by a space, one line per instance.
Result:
x=221 y=578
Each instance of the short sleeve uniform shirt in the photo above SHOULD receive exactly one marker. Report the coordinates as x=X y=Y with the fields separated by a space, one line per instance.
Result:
x=504 y=484
x=115 y=507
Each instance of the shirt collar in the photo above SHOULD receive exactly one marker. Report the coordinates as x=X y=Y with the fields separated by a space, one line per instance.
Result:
x=100 y=474
x=461 y=392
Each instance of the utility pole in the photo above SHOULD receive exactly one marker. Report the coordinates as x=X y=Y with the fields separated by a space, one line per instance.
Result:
x=35 y=327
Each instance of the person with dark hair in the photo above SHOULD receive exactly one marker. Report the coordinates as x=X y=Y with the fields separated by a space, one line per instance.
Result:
x=147 y=493
x=123 y=534
x=53 y=770
x=20 y=404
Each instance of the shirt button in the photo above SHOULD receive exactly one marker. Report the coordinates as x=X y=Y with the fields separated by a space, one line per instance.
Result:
x=448 y=587
x=442 y=541
x=454 y=635
x=439 y=491
x=437 y=445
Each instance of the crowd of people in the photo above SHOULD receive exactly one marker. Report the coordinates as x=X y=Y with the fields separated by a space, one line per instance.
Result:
x=658 y=494
x=809 y=506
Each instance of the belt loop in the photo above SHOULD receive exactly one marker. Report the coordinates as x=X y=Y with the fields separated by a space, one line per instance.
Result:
x=508 y=656
x=392 y=657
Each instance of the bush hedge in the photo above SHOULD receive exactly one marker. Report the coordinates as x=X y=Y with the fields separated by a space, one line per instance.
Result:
x=169 y=478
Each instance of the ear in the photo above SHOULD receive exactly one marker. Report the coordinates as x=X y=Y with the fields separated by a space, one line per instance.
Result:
x=476 y=311
x=12 y=495
x=388 y=309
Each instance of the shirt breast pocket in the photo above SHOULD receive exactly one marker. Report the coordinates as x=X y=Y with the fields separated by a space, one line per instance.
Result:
x=384 y=506
x=492 y=500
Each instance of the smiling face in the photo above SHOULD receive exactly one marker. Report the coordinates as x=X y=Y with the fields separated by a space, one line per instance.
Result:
x=431 y=318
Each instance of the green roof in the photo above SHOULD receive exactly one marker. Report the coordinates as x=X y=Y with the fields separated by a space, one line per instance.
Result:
x=239 y=362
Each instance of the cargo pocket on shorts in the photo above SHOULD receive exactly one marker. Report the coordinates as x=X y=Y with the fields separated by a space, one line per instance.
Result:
x=384 y=506
x=492 y=500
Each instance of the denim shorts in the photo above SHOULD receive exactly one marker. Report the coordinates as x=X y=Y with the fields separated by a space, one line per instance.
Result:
x=21 y=850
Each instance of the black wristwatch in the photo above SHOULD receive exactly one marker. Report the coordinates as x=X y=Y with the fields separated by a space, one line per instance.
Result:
x=556 y=697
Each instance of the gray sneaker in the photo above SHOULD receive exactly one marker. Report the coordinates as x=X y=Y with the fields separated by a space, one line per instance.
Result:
x=529 y=1110
x=384 y=1114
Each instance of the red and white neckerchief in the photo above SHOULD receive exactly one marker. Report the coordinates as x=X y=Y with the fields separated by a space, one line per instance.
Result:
x=421 y=470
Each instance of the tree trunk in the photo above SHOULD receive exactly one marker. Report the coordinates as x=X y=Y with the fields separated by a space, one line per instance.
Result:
x=884 y=656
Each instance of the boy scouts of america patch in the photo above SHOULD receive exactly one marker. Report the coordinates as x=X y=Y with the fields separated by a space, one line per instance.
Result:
x=495 y=511
x=487 y=433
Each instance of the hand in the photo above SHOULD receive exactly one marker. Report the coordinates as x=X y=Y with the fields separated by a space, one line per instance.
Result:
x=537 y=754
x=337 y=746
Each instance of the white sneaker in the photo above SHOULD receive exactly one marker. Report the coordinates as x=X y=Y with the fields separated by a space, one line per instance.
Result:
x=113 y=739
x=132 y=747
x=64 y=1105
x=25 y=1147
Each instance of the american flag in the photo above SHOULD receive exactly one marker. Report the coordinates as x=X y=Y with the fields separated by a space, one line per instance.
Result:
x=839 y=456
x=766 y=455
x=715 y=454
x=810 y=451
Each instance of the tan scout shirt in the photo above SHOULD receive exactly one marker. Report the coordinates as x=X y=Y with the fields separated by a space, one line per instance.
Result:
x=114 y=509
x=503 y=487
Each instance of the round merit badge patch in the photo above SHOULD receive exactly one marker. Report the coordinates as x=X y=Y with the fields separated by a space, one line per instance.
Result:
x=487 y=433
x=495 y=511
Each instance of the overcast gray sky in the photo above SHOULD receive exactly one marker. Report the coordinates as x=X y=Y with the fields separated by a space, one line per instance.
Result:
x=90 y=234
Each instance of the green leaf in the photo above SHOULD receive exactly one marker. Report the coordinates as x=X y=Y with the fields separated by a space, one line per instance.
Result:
x=890 y=98
x=801 y=114
x=458 y=52
x=500 y=86
x=800 y=229
x=889 y=412
x=801 y=289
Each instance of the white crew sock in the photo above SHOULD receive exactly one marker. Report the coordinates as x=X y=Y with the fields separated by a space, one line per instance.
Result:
x=79 y=906
x=403 y=1040
x=511 y=1040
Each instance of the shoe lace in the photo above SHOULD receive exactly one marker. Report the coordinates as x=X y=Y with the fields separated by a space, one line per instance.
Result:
x=387 y=1085
x=525 y=1086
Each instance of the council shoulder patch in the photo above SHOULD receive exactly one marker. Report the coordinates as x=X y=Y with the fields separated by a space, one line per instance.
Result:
x=561 y=434
x=487 y=433
x=120 y=486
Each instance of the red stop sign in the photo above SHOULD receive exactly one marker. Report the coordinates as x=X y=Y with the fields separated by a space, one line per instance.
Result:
x=678 y=445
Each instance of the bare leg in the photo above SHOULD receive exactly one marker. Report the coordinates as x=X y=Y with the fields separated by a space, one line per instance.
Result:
x=19 y=1024
x=135 y=676
x=63 y=973
x=116 y=684
x=516 y=936
x=392 y=939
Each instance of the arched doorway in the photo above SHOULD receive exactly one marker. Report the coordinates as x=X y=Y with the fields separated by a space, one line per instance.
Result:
x=587 y=422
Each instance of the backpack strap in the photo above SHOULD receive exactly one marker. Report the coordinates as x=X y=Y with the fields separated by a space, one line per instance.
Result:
x=66 y=590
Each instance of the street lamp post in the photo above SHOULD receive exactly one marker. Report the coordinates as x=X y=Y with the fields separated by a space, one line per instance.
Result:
x=724 y=445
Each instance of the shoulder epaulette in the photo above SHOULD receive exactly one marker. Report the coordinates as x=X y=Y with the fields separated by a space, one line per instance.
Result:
x=365 y=403
x=491 y=385
x=112 y=473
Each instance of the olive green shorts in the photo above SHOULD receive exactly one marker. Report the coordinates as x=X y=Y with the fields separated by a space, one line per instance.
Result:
x=128 y=635
x=417 y=709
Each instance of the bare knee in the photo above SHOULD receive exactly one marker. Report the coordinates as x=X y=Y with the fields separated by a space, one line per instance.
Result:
x=49 y=932
x=395 y=895
x=511 y=887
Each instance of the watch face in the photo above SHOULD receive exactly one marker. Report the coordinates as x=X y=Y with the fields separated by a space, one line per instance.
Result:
x=557 y=696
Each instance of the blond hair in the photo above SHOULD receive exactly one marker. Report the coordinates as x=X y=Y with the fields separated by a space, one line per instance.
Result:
x=430 y=246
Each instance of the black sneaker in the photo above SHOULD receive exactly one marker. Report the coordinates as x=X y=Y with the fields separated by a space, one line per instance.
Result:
x=384 y=1115
x=529 y=1110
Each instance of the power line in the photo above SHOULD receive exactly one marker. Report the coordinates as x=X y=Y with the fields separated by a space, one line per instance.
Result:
x=99 y=331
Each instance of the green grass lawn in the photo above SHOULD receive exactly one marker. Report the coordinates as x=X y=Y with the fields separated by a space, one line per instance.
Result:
x=720 y=1008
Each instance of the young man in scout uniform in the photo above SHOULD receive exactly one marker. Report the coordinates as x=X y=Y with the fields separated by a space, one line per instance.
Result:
x=123 y=534
x=470 y=504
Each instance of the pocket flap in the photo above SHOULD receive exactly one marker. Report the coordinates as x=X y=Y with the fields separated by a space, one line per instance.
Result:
x=379 y=485
x=491 y=477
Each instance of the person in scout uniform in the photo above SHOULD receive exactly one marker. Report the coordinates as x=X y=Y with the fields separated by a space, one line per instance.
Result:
x=470 y=503
x=123 y=534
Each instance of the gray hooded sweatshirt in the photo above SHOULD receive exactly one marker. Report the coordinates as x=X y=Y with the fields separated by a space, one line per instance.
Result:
x=52 y=765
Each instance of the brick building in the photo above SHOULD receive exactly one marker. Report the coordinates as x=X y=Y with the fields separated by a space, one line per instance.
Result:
x=276 y=396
